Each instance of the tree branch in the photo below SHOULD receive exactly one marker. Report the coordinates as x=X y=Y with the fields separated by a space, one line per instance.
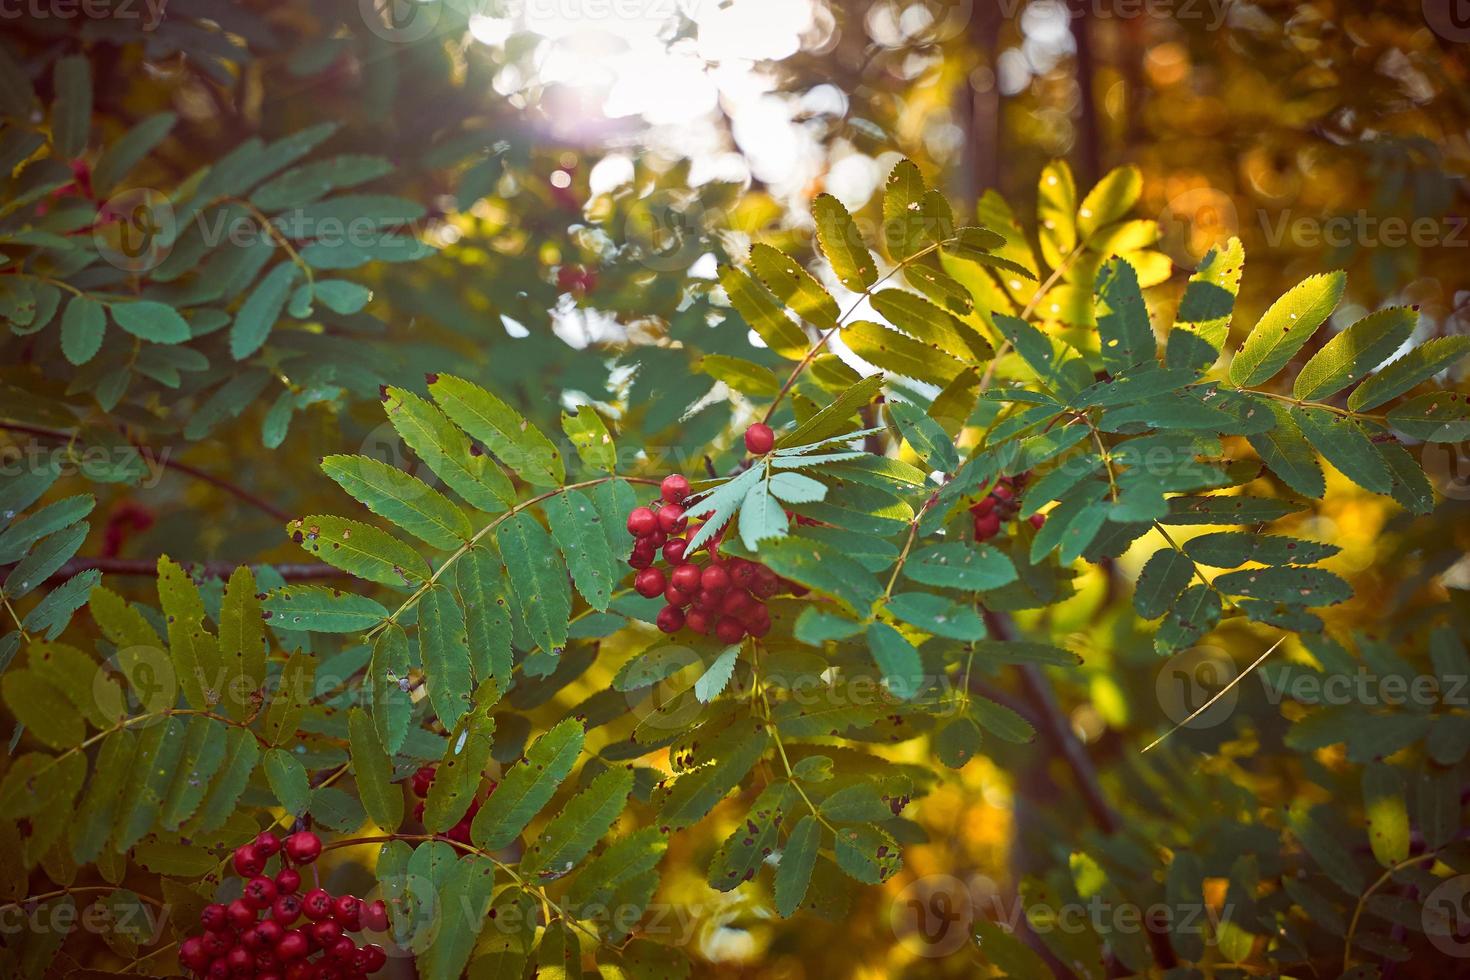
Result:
x=162 y=461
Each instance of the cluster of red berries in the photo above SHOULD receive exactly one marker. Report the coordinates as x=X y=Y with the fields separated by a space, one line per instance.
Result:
x=1000 y=506
x=460 y=832
x=722 y=596
x=256 y=937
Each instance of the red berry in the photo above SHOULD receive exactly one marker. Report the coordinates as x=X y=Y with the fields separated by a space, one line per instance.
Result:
x=270 y=931
x=674 y=551
x=287 y=881
x=293 y=946
x=758 y=621
x=217 y=942
x=326 y=932
x=698 y=620
x=759 y=439
x=317 y=904
x=375 y=916
x=300 y=970
x=1037 y=520
x=240 y=961
x=670 y=619
x=671 y=519
x=303 y=847
x=987 y=526
x=643 y=552
x=374 y=959
x=241 y=915
x=766 y=584
x=676 y=598
x=1003 y=492
x=714 y=579
x=219 y=969
x=253 y=938
x=214 y=917
x=708 y=601
x=286 y=909
x=267 y=844
x=342 y=950
x=248 y=861
x=729 y=630
x=192 y=954
x=642 y=521
x=348 y=909
x=650 y=583
x=983 y=506
x=742 y=573
x=422 y=779
x=674 y=488
x=260 y=892
x=736 y=602
x=686 y=578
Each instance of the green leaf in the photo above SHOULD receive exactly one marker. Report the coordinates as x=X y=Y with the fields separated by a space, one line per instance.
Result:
x=406 y=501
x=471 y=883
x=733 y=752
x=47 y=558
x=1437 y=416
x=1226 y=509
x=1285 y=328
x=1286 y=452
x=937 y=615
x=1329 y=852
x=761 y=516
x=1194 y=614
x=446 y=451
x=361 y=549
x=292 y=694
x=516 y=442
x=1109 y=200
x=71 y=111
x=373 y=770
x=242 y=752
x=341 y=296
x=1411 y=488
x=17 y=539
x=97 y=811
x=392 y=704
x=43 y=709
x=312 y=181
x=1414 y=368
x=288 y=780
x=624 y=859
x=764 y=314
x=576 y=526
x=867 y=854
x=120 y=158
x=528 y=786
x=149 y=320
x=1056 y=211
x=1229 y=549
x=1294 y=586
x=1025 y=652
x=577 y=828
x=260 y=311
x=843 y=244
x=902 y=670
x=445 y=653
x=743 y=853
x=1125 y=333
x=462 y=767
x=926 y=436
x=793 y=488
x=205 y=742
x=717 y=677
x=931 y=325
x=1344 y=445
x=588 y=432
x=1348 y=357
x=242 y=643
x=834 y=419
x=794 y=286
x=1001 y=721
x=1203 y=321
x=159 y=747
x=318 y=609
x=83 y=325
x=899 y=353
x=719 y=505
x=194 y=651
x=821 y=566
x=746 y=377
x=482 y=587
x=1164 y=576
x=794 y=872
x=904 y=231
x=958 y=565
x=53 y=613
x=537 y=579
x=1387 y=813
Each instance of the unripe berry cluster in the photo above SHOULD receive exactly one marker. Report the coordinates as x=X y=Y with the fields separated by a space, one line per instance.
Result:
x=724 y=597
x=460 y=832
x=262 y=936
x=1001 y=506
